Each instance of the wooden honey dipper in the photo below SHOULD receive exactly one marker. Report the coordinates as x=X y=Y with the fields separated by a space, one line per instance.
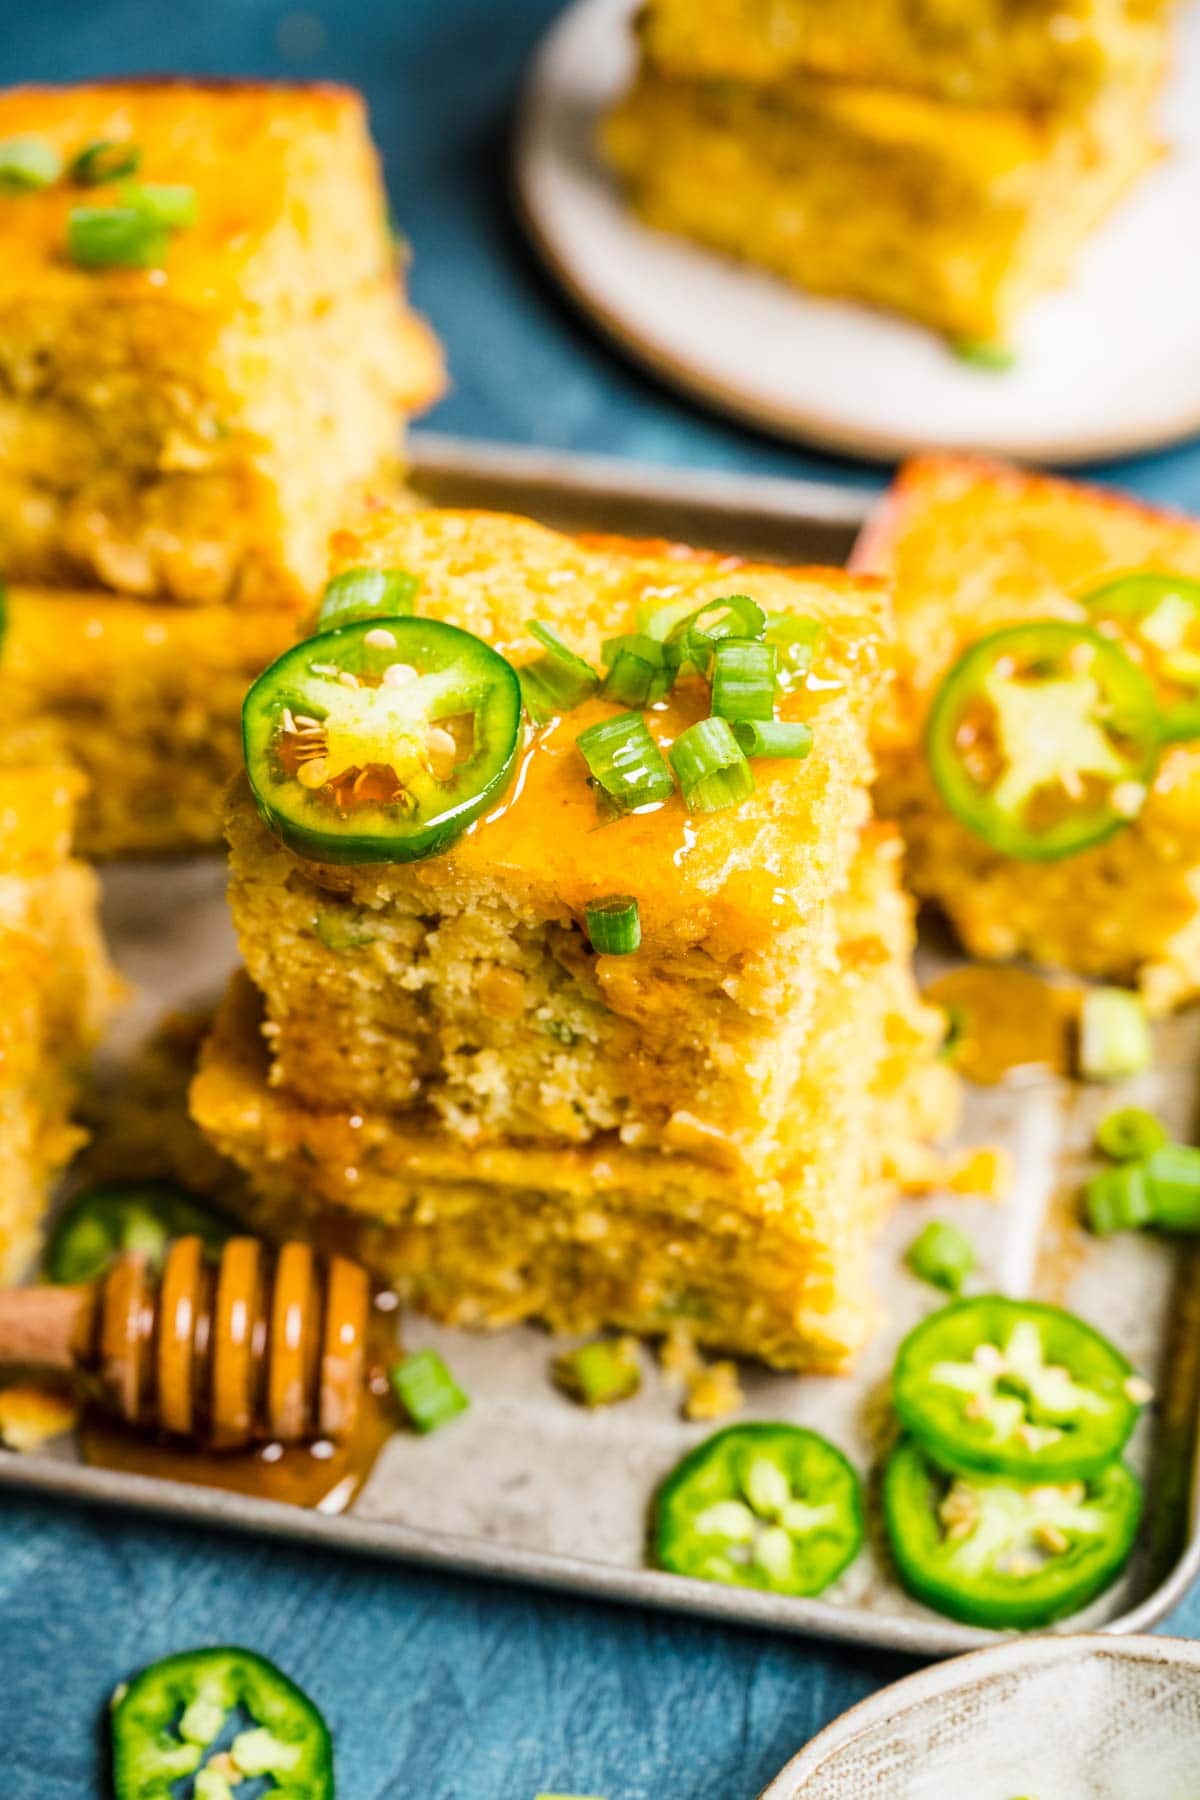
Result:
x=251 y=1349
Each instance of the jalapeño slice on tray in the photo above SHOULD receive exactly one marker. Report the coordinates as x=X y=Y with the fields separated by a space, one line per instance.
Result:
x=760 y=1506
x=1160 y=614
x=382 y=740
x=1044 y=739
x=1003 y=1554
x=1016 y=1388
x=168 y=1722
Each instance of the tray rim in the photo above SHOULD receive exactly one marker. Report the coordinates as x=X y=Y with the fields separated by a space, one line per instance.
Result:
x=781 y=500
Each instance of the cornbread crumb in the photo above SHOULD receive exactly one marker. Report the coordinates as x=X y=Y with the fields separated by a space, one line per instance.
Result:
x=32 y=1414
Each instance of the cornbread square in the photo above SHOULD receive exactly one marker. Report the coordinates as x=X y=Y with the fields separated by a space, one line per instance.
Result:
x=465 y=983
x=605 y=1233
x=955 y=216
x=195 y=430
x=57 y=988
x=145 y=698
x=972 y=547
x=1040 y=53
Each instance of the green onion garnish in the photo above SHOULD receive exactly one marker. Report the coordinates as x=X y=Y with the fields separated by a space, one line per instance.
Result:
x=713 y=773
x=602 y=1373
x=614 y=926
x=114 y=237
x=773 y=737
x=366 y=594
x=168 y=205
x=985 y=353
x=1173 y=1184
x=556 y=682
x=942 y=1255
x=739 y=616
x=1114 y=1036
x=1129 y=1133
x=795 y=640
x=640 y=671
x=28 y=163
x=1117 y=1200
x=106 y=159
x=625 y=762
x=427 y=1390
x=743 y=679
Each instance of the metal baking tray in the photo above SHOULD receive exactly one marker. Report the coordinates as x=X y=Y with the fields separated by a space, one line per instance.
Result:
x=530 y=1487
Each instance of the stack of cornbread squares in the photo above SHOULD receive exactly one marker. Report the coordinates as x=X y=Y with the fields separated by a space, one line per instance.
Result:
x=944 y=162
x=56 y=988
x=429 y=1063
x=181 y=427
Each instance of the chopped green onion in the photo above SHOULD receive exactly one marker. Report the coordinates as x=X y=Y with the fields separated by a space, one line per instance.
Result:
x=28 y=163
x=639 y=670
x=1129 y=1133
x=773 y=737
x=677 y=626
x=602 y=1373
x=114 y=237
x=106 y=159
x=367 y=593
x=625 y=762
x=712 y=770
x=985 y=353
x=1173 y=1183
x=556 y=682
x=795 y=640
x=743 y=679
x=170 y=205
x=613 y=925
x=1117 y=1200
x=427 y=1390
x=1114 y=1036
x=942 y=1255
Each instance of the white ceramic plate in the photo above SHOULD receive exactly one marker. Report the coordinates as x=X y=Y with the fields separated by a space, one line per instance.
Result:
x=1106 y=367
x=1083 y=1718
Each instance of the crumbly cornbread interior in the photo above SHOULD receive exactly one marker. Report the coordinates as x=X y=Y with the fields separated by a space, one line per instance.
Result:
x=954 y=216
x=57 y=989
x=604 y=1234
x=1040 y=53
x=144 y=698
x=972 y=547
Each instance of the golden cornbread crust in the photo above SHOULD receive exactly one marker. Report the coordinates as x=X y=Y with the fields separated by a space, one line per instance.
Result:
x=465 y=983
x=1041 y=53
x=972 y=547
x=57 y=989
x=144 y=698
x=954 y=216
x=602 y=1234
x=195 y=431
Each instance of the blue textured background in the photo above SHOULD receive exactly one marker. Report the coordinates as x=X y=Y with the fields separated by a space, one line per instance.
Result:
x=437 y=1689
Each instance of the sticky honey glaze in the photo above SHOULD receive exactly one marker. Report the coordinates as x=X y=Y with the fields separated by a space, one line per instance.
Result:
x=323 y=1475
x=1004 y=1019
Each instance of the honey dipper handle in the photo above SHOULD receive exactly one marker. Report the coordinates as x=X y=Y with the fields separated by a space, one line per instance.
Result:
x=47 y=1327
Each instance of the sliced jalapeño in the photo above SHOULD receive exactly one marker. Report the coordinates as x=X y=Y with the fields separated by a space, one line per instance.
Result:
x=381 y=741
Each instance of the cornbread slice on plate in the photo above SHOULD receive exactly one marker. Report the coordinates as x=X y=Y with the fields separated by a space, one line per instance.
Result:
x=57 y=989
x=145 y=698
x=603 y=1233
x=974 y=547
x=195 y=428
x=955 y=216
x=464 y=985
x=1041 y=53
